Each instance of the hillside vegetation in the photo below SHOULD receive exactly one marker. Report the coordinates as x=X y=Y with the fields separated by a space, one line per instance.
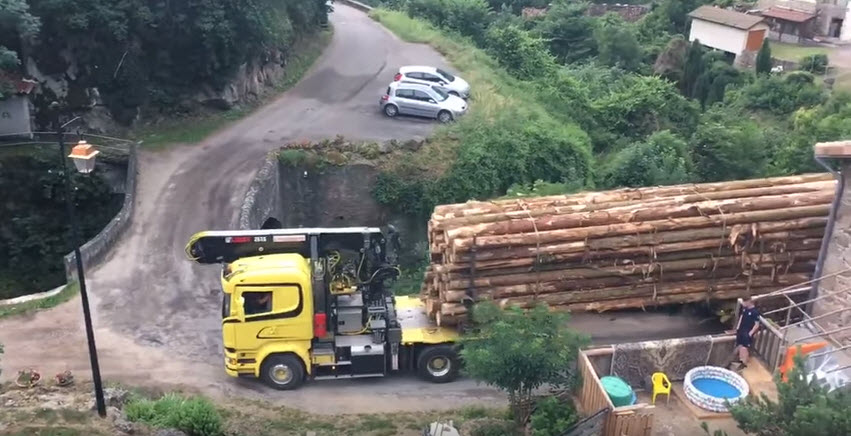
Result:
x=148 y=54
x=566 y=101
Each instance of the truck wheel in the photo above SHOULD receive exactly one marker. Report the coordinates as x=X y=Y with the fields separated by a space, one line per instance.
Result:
x=282 y=371
x=438 y=364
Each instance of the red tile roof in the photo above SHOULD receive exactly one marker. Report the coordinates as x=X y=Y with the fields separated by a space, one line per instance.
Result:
x=787 y=14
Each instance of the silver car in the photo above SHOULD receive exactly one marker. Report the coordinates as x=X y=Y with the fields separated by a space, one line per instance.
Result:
x=421 y=100
x=434 y=76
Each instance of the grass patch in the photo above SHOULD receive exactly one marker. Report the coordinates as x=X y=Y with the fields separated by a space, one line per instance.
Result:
x=193 y=129
x=375 y=423
x=494 y=91
x=794 y=52
x=45 y=303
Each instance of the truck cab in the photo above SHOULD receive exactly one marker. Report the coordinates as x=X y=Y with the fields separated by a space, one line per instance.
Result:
x=302 y=304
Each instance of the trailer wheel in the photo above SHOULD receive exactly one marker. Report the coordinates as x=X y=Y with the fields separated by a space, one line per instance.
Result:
x=282 y=371
x=438 y=364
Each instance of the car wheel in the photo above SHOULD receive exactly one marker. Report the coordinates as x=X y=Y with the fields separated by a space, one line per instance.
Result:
x=454 y=93
x=391 y=110
x=438 y=364
x=444 y=117
x=282 y=371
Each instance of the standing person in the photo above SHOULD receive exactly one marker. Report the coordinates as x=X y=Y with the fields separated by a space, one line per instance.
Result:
x=746 y=328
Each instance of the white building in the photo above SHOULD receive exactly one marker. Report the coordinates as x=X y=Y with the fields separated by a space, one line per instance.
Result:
x=736 y=33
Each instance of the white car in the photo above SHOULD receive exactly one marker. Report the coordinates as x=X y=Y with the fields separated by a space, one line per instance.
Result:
x=435 y=76
x=421 y=100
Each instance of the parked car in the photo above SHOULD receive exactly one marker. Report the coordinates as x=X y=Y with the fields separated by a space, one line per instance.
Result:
x=435 y=76
x=421 y=100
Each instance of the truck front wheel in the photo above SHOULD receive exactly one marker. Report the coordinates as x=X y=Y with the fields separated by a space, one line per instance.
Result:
x=438 y=364
x=282 y=371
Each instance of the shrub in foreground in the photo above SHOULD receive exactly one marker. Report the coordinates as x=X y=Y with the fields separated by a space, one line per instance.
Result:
x=195 y=416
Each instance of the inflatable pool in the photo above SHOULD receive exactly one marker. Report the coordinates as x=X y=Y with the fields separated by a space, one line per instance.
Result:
x=710 y=387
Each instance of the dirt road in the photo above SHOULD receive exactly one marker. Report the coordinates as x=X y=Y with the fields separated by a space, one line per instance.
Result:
x=157 y=315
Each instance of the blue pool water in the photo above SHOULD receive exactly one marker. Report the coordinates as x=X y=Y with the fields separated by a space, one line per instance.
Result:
x=716 y=388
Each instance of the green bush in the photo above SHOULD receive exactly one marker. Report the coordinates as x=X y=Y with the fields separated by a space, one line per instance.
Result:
x=467 y=17
x=552 y=417
x=34 y=230
x=617 y=43
x=778 y=94
x=195 y=416
x=814 y=63
x=664 y=159
x=728 y=146
x=521 y=53
x=637 y=106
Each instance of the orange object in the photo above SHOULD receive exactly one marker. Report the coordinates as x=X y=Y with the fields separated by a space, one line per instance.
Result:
x=789 y=361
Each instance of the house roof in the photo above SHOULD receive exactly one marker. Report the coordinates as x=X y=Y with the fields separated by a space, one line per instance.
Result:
x=22 y=86
x=787 y=14
x=725 y=17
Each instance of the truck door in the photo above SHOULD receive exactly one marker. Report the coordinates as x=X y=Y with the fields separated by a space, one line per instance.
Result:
x=272 y=312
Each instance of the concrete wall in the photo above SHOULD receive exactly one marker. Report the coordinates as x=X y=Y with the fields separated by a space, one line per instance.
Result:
x=15 y=115
x=96 y=249
x=330 y=196
x=720 y=37
x=263 y=199
x=837 y=262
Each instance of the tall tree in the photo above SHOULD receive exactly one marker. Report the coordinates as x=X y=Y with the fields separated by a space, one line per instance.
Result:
x=617 y=43
x=16 y=23
x=763 y=58
x=519 y=352
x=693 y=68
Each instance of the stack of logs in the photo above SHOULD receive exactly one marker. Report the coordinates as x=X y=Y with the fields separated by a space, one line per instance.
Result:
x=627 y=248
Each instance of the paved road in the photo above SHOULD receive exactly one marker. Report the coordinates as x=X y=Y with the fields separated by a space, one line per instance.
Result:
x=157 y=315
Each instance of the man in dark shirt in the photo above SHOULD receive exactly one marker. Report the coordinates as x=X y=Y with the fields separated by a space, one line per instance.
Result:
x=746 y=328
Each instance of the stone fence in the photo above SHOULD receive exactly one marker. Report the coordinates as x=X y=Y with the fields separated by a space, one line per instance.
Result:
x=95 y=249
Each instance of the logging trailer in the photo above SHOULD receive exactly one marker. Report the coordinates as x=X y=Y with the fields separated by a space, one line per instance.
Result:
x=313 y=303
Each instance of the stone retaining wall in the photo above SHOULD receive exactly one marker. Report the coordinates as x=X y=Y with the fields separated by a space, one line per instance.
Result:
x=263 y=199
x=95 y=249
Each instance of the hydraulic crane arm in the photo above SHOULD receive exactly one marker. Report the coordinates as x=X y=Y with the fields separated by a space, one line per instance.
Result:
x=224 y=246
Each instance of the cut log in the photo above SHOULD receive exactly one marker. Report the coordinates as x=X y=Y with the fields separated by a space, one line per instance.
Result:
x=575 y=234
x=473 y=208
x=438 y=226
x=745 y=261
x=701 y=209
x=639 y=239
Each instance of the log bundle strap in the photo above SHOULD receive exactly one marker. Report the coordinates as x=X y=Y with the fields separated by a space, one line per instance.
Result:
x=627 y=248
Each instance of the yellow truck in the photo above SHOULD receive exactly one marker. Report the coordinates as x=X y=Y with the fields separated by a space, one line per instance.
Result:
x=314 y=303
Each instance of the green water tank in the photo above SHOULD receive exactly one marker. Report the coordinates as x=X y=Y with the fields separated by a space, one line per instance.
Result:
x=618 y=390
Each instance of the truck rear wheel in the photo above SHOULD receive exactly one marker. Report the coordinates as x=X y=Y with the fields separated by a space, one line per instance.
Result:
x=282 y=371
x=438 y=364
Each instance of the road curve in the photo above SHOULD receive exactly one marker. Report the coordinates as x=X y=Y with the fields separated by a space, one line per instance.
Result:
x=157 y=315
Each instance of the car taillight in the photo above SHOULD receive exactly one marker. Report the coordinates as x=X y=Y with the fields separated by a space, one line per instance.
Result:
x=385 y=97
x=397 y=77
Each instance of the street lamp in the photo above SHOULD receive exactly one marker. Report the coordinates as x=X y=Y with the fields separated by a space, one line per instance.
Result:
x=83 y=155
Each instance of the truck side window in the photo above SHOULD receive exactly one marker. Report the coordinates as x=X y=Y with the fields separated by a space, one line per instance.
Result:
x=257 y=302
